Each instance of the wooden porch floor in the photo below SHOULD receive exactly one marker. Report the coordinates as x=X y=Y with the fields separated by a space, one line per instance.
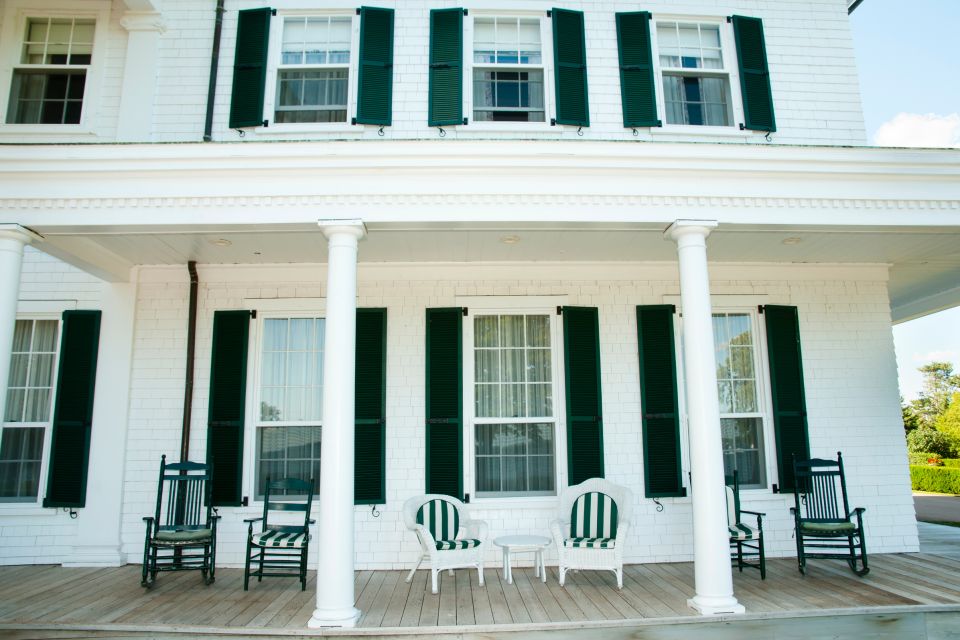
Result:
x=52 y=597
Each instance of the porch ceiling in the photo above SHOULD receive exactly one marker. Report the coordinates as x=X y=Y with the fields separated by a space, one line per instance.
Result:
x=924 y=262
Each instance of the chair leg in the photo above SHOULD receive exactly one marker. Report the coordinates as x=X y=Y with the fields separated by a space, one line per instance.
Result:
x=434 y=588
x=619 y=574
x=480 y=572
x=303 y=568
x=563 y=574
x=263 y=552
x=414 y=570
x=763 y=559
x=246 y=570
x=740 y=556
x=145 y=566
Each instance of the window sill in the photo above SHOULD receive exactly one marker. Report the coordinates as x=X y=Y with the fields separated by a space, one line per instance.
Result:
x=312 y=129
x=58 y=130
x=26 y=509
x=698 y=132
x=510 y=127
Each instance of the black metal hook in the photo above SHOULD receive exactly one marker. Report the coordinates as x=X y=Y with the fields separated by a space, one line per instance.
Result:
x=373 y=511
x=443 y=133
x=659 y=505
x=580 y=131
x=380 y=131
x=635 y=132
x=241 y=132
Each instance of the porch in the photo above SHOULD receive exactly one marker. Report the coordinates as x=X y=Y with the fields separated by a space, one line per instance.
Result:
x=905 y=595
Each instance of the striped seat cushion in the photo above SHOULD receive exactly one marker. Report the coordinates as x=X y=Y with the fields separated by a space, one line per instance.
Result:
x=828 y=528
x=285 y=539
x=594 y=515
x=447 y=545
x=743 y=532
x=441 y=519
x=589 y=543
x=183 y=537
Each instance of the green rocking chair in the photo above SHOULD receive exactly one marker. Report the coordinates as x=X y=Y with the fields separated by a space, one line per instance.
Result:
x=825 y=525
x=281 y=546
x=746 y=540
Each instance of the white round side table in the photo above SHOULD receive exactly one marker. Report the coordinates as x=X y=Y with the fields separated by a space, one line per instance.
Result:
x=523 y=544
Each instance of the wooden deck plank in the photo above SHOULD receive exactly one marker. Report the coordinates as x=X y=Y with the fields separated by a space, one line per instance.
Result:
x=522 y=578
x=498 y=601
x=464 y=597
x=372 y=614
x=395 y=608
x=515 y=604
x=482 y=611
x=415 y=598
x=548 y=600
x=447 y=611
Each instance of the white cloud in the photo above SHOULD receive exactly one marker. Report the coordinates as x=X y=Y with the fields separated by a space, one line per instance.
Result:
x=917 y=130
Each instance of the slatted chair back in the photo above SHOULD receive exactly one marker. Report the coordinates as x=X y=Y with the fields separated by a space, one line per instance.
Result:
x=733 y=499
x=286 y=496
x=441 y=518
x=821 y=494
x=594 y=515
x=183 y=496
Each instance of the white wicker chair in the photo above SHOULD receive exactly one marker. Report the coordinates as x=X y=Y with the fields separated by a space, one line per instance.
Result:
x=439 y=537
x=593 y=542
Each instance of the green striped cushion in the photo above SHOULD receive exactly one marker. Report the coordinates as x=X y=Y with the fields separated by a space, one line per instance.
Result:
x=731 y=508
x=828 y=528
x=441 y=519
x=183 y=537
x=286 y=539
x=590 y=543
x=447 y=545
x=743 y=532
x=594 y=515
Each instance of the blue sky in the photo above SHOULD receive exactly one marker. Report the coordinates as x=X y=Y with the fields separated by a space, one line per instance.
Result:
x=908 y=56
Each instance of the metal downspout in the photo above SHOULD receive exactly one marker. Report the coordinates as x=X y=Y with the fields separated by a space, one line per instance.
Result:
x=214 y=65
x=191 y=348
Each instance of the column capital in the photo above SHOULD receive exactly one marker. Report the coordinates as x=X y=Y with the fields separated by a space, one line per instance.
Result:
x=681 y=228
x=22 y=235
x=352 y=227
x=143 y=21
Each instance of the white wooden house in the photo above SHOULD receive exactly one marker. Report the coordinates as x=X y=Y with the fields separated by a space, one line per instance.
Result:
x=555 y=240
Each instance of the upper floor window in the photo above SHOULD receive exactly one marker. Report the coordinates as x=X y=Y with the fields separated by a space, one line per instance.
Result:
x=314 y=69
x=508 y=71
x=694 y=73
x=49 y=80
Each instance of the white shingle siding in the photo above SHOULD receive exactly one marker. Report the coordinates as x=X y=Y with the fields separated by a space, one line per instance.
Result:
x=809 y=49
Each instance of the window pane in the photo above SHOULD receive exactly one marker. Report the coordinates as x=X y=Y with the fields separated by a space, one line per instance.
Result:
x=287 y=452
x=37 y=405
x=538 y=331
x=515 y=459
x=488 y=400
x=291 y=370
x=511 y=331
x=275 y=334
x=540 y=400
x=485 y=331
x=22 y=336
x=487 y=365
x=45 y=335
x=512 y=367
x=743 y=450
x=19 y=366
x=20 y=453
x=514 y=401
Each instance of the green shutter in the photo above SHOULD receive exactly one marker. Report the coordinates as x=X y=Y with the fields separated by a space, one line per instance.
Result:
x=375 y=76
x=73 y=410
x=370 y=407
x=227 y=405
x=444 y=401
x=754 y=74
x=786 y=387
x=570 y=68
x=658 y=401
x=446 y=67
x=581 y=356
x=637 y=90
x=250 y=68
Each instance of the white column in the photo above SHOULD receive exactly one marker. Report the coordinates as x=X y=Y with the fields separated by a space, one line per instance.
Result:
x=711 y=553
x=135 y=120
x=13 y=238
x=335 y=596
x=97 y=541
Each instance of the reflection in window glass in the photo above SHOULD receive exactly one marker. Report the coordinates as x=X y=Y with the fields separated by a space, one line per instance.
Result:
x=696 y=87
x=314 y=69
x=505 y=88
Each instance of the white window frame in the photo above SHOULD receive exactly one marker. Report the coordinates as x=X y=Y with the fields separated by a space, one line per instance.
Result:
x=547 y=64
x=730 y=69
x=273 y=67
x=745 y=305
x=268 y=309
x=15 y=16
x=533 y=305
x=31 y=506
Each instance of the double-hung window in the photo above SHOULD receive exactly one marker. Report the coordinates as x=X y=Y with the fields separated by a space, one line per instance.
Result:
x=742 y=397
x=289 y=400
x=508 y=69
x=28 y=408
x=512 y=400
x=313 y=73
x=694 y=73
x=50 y=74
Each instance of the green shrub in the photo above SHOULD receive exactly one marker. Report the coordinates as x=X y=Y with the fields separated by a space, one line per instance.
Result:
x=935 y=479
x=950 y=462
x=924 y=458
x=930 y=441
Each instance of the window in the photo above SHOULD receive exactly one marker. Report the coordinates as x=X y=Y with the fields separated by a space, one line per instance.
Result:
x=314 y=69
x=48 y=83
x=693 y=68
x=514 y=423
x=508 y=70
x=289 y=400
x=27 y=412
x=741 y=397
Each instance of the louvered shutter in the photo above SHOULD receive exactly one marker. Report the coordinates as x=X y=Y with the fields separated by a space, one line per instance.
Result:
x=754 y=74
x=637 y=89
x=444 y=401
x=227 y=405
x=570 y=68
x=786 y=387
x=581 y=355
x=370 y=407
x=658 y=401
x=446 y=67
x=250 y=68
x=375 y=75
x=73 y=410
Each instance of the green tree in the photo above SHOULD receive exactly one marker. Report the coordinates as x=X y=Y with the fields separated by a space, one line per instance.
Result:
x=928 y=440
x=939 y=386
x=911 y=420
x=948 y=422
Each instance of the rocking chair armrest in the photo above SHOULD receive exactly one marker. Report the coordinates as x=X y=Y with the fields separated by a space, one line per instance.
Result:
x=148 y=519
x=857 y=511
x=252 y=520
x=753 y=513
x=311 y=521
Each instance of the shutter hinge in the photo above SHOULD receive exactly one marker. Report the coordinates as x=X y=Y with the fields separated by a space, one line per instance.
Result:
x=246 y=501
x=466 y=121
x=743 y=127
x=266 y=123
x=466 y=498
x=559 y=310
x=776 y=488
x=358 y=10
x=465 y=310
x=253 y=314
x=729 y=19
x=466 y=12
x=760 y=308
x=553 y=122
x=673 y=308
x=549 y=13
x=354 y=120
x=273 y=12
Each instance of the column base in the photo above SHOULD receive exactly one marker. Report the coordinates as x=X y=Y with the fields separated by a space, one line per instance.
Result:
x=715 y=606
x=343 y=618
x=95 y=556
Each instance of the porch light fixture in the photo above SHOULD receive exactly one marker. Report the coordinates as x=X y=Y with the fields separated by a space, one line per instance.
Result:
x=791 y=241
x=510 y=239
x=221 y=242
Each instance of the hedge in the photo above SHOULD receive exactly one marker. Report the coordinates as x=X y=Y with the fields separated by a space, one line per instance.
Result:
x=935 y=479
x=923 y=458
x=951 y=462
